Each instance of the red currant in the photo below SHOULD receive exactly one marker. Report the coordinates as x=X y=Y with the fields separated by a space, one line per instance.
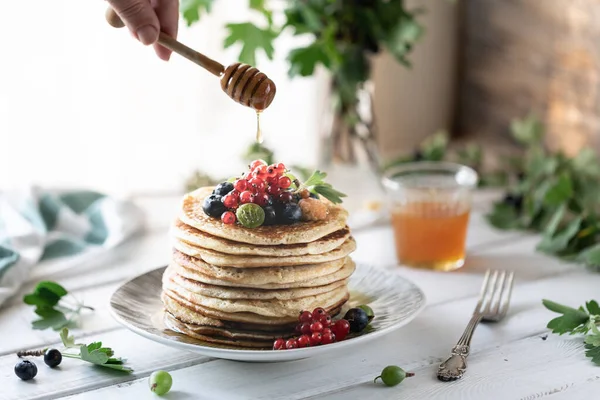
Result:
x=326 y=331
x=328 y=338
x=271 y=170
x=305 y=316
x=291 y=344
x=316 y=327
x=285 y=197
x=305 y=328
x=230 y=201
x=261 y=172
x=228 y=218
x=272 y=180
x=285 y=182
x=257 y=184
x=325 y=320
x=304 y=341
x=341 y=329
x=262 y=199
x=280 y=168
x=279 y=344
x=315 y=339
x=257 y=163
x=240 y=185
x=318 y=313
x=274 y=190
x=246 y=197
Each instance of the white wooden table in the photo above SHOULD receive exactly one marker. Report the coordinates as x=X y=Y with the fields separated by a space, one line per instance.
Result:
x=510 y=360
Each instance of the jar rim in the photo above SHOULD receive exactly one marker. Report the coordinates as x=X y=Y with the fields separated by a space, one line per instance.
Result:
x=464 y=176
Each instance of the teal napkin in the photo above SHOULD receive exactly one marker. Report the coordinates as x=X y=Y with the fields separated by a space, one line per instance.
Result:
x=38 y=225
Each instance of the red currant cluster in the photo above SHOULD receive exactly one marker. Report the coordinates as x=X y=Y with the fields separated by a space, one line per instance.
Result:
x=315 y=328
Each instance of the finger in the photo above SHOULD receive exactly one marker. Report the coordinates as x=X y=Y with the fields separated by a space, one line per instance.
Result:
x=140 y=18
x=168 y=15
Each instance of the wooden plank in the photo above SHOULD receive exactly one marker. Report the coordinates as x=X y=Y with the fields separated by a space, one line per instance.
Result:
x=420 y=345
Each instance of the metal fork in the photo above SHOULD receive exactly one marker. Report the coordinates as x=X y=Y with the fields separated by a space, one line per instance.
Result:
x=491 y=307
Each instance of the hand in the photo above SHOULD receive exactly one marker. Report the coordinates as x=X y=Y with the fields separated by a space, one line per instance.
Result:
x=146 y=18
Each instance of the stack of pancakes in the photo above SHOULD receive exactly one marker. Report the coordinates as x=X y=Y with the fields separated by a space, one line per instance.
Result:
x=243 y=287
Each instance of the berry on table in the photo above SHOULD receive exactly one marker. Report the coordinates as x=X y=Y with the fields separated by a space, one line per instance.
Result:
x=291 y=344
x=327 y=338
x=223 y=188
x=316 y=327
x=52 y=357
x=213 y=206
x=392 y=375
x=285 y=182
x=230 y=200
x=228 y=218
x=304 y=341
x=315 y=339
x=305 y=316
x=279 y=344
x=246 y=197
x=26 y=370
x=341 y=329
x=160 y=382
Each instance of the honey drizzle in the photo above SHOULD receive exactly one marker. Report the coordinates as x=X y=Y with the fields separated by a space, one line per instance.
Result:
x=259 y=136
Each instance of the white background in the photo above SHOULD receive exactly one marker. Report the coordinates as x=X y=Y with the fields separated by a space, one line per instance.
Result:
x=85 y=105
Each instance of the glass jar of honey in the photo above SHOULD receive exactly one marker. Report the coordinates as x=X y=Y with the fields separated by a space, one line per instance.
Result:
x=430 y=204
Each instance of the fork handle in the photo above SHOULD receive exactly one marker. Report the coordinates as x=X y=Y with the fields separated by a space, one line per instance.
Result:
x=455 y=366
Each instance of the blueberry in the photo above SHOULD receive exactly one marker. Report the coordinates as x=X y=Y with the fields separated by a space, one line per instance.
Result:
x=52 y=357
x=270 y=215
x=213 y=206
x=357 y=318
x=223 y=188
x=26 y=370
x=290 y=213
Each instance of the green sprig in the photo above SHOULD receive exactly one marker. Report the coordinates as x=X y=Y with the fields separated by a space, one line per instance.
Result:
x=51 y=306
x=317 y=185
x=583 y=320
x=93 y=353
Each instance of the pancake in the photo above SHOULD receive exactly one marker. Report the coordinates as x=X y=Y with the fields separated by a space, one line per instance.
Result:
x=268 y=308
x=263 y=278
x=198 y=238
x=186 y=310
x=220 y=336
x=224 y=292
x=301 y=232
x=227 y=260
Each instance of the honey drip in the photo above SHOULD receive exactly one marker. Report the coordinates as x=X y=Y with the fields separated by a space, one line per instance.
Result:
x=259 y=136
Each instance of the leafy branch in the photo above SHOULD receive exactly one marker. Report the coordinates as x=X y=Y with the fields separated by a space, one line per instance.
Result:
x=54 y=310
x=93 y=353
x=582 y=321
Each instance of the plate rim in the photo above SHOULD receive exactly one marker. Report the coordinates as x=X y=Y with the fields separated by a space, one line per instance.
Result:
x=266 y=355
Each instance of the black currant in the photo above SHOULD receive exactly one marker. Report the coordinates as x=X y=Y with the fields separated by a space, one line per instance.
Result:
x=270 y=215
x=213 y=206
x=52 y=357
x=223 y=188
x=290 y=213
x=26 y=370
x=357 y=318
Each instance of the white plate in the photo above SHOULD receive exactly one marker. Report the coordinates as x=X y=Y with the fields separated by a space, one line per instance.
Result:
x=394 y=300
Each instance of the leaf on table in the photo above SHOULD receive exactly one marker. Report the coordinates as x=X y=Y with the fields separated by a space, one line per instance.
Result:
x=316 y=178
x=68 y=341
x=593 y=307
x=568 y=323
x=557 y=308
x=252 y=38
x=593 y=352
x=193 y=9
x=56 y=321
x=593 y=340
x=95 y=356
x=118 y=367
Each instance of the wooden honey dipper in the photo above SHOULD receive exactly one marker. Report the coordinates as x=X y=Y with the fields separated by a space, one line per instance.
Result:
x=242 y=82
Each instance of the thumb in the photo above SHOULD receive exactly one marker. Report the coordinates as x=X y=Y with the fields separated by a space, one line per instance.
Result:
x=140 y=18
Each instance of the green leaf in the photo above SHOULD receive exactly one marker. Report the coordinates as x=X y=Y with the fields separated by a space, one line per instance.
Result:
x=328 y=192
x=402 y=38
x=593 y=352
x=252 y=39
x=558 y=308
x=304 y=60
x=53 y=287
x=316 y=178
x=68 y=341
x=560 y=192
x=593 y=340
x=586 y=162
x=118 y=367
x=193 y=9
x=503 y=216
x=560 y=241
x=554 y=223
x=56 y=322
x=593 y=307
x=568 y=322
x=591 y=256
x=528 y=131
x=94 y=346
x=95 y=356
